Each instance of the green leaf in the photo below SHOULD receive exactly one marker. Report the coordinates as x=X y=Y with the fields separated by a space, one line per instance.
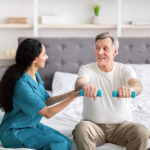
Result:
x=96 y=10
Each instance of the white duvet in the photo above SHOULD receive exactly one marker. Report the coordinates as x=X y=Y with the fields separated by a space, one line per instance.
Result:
x=66 y=120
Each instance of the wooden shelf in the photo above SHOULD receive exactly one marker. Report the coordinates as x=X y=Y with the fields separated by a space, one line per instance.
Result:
x=77 y=26
x=5 y=57
x=60 y=26
x=16 y=26
x=73 y=26
x=130 y=26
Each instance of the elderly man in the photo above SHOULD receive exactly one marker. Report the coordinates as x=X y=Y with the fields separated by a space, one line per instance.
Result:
x=108 y=119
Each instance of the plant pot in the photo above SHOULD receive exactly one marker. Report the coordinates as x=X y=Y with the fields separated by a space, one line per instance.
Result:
x=96 y=20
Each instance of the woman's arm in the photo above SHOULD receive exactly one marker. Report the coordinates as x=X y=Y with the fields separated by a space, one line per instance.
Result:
x=51 y=111
x=59 y=98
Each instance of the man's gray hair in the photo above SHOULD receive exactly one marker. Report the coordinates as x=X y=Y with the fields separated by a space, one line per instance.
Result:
x=105 y=35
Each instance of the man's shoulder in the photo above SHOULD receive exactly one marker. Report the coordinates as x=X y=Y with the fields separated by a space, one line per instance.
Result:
x=119 y=64
x=122 y=66
x=90 y=65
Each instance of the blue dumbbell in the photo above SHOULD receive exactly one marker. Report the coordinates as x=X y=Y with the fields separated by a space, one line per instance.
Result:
x=115 y=94
x=99 y=93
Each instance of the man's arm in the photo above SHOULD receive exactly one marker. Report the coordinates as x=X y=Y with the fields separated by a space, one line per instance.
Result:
x=89 y=90
x=136 y=85
x=133 y=85
x=80 y=82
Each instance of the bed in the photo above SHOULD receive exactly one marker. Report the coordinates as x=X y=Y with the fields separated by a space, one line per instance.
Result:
x=66 y=55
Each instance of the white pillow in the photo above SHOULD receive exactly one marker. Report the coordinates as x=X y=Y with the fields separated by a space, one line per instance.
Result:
x=63 y=82
x=142 y=71
x=1 y=115
x=143 y=74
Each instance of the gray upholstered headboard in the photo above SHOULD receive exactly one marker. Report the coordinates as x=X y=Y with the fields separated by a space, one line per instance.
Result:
x=68 y=54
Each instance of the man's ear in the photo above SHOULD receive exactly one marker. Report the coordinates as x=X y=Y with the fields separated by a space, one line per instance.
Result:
x=115 y=52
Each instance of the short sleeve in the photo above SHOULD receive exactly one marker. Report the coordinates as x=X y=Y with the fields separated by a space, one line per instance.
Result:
x=47 y=96
x=26 y=99
x=129 y=73
x=84 y=72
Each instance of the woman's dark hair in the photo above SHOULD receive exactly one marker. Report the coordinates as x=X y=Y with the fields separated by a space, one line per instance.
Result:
x=27 y=51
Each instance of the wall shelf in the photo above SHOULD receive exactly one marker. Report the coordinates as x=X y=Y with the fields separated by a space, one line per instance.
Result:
x=4 y=57
x=59 y=26
x=131 y=26
x=77 y=26
x=16 y=26
x=119 y=26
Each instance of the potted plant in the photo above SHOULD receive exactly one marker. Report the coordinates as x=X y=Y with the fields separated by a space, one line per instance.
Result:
x=96 y=10
x=96 y=18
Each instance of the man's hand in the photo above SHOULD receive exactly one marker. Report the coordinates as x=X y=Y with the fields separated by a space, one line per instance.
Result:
x=124 y=92
x=89 y=90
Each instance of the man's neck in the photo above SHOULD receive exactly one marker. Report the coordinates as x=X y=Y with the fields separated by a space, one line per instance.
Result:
x=107 y=68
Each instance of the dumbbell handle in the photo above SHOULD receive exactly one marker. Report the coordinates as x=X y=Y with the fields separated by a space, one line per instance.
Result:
x=81 y=93
x=115 y=94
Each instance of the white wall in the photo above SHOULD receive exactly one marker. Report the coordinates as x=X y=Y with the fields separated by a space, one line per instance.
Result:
x=79 y=11
x=135 y=10
x=74 y=12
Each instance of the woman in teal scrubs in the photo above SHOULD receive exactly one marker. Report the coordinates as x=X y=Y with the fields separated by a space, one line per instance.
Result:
x=24 y=100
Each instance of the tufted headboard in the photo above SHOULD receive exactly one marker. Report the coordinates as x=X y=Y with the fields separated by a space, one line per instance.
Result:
x=68 y=54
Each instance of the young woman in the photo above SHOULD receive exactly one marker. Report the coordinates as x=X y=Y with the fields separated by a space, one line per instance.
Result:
x=25 y=100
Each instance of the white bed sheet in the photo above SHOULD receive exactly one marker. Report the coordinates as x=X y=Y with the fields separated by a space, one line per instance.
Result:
x=66 y=120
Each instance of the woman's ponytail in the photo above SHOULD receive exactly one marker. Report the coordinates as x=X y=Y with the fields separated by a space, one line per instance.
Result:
x=7 y=84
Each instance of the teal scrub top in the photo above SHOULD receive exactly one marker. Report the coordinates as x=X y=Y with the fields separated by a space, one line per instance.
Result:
x=21 y=127
x=28 y=99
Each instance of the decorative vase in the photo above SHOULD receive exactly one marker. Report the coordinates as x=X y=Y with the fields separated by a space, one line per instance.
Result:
x=96 y=20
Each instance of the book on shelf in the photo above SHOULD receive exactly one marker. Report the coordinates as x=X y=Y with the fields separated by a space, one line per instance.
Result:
x=17 y=20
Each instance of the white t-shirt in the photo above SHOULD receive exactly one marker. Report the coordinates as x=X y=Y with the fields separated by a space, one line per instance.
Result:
x=107 y=109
